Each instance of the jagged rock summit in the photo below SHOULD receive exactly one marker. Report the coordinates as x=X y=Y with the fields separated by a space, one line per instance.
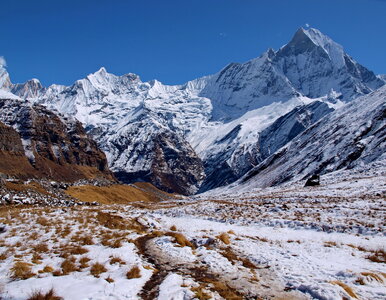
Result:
x=207 y=133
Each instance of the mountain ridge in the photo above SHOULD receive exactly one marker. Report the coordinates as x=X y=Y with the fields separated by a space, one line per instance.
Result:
x=216 y=118
x=351 y=136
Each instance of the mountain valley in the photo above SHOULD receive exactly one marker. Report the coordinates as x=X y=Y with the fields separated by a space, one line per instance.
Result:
x=115 y=188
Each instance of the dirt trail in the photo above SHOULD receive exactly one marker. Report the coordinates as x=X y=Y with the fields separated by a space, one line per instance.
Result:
x=151 y=288
x=252 y=284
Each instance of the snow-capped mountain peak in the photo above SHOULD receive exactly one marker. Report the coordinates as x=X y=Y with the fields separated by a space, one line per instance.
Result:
x=307 y=39
x=215 y=120
x=5 y=81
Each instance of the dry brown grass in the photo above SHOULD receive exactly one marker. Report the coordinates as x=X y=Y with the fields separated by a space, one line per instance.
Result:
x=21 y=270
x=263 y=239
x=43 y=221
x=47 y=269
x=225 y=291
x=68 y=266
x=36 y=258
x=86 y=240
x=78 y=250
x=346 y=288
x=112 y=240
x=208 y=281
x=360 y=280
x=180 y=239
x=68 y=250
x=374 y=276
x=41 y=248
x=97 y=269
x=378 y=256
x=39 y=295
x=113 y=243
x=33 y=236
x=111 y=221
x=294 y=241
x=118 y=193
x=134 y=272
x=330 y=244
x=18 y=244
x=109 y=279
x=3 y=256
x=229 y=254
x=83 y=261
x=173 y=228
x=200 y=294
x=57 y=273
x=224 y=237
x=65 y=232
x=117 y=260
x=21 y=187
x=360 y=248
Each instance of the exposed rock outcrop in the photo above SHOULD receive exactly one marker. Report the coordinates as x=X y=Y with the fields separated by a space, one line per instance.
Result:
x=13 y=161
x=149 y=151
x=350 y=137
x=49 y=145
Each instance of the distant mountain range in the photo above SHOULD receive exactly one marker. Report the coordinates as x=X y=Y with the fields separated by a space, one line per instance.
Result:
x=213 y=130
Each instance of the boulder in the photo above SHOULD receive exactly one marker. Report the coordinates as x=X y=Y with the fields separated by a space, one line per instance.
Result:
x=313 y=180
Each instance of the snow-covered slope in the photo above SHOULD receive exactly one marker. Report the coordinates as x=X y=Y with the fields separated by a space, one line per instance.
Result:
x=216 y=119
x=310 y=65
x=350 y=137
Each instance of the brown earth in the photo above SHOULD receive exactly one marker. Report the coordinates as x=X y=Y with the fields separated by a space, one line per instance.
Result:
x=118 y=193
x=59 y=148
x=13 y=161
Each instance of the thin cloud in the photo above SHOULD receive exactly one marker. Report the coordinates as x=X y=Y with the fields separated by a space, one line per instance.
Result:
x=3 y=63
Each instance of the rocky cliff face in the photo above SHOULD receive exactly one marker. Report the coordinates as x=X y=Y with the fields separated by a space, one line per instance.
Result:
x=13 y=161
x=174 y=166
x=55 y=147
x=287 y=127
x=269 y=140
x=148 y=150
x=10 y=140
x=350 y=136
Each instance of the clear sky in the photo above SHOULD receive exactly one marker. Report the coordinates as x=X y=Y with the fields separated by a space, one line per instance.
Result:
x=60 y=41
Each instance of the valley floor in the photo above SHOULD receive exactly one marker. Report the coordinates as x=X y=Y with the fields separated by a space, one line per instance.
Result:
x=292 y=242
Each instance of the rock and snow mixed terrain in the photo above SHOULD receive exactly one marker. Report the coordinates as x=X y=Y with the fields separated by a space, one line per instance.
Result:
x=212 y=123
x=263 y=127
x=350 y=137
x=289 y=242
x=36 y=143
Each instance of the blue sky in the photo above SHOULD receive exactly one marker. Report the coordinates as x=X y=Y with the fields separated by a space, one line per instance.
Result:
x=173 y=40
